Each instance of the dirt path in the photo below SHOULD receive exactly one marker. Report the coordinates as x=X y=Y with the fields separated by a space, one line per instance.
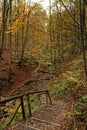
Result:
x=55 y=117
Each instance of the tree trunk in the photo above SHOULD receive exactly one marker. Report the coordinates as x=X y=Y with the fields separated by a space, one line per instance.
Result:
x=3 y=27
x=82 y=30
x=50 y=32
x=10 y=45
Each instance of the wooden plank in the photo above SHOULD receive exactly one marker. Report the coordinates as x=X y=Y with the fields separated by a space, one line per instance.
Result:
x=44 y=121
x=31 y=127
x=19 y=96
x=10 y=99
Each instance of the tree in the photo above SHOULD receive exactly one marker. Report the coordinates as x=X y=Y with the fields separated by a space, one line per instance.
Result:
x=10 y=44
x=83 y=32
x=4 y=20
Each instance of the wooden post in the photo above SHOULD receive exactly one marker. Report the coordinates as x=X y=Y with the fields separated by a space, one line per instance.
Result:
x=22 y=107
x=39 y=98
x=46 y=97
x=29 y=106
x=47 y=93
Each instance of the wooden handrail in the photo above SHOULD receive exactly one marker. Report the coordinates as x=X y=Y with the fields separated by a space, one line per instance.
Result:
x=21 y=95
x=4 y=101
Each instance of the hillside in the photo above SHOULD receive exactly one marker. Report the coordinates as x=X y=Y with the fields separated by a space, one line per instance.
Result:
x=46 y=51
x=69 y=85
x=20 y=75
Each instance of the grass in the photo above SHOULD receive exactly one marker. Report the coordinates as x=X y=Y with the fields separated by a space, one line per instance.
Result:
x=70 y=80
x=59 y=88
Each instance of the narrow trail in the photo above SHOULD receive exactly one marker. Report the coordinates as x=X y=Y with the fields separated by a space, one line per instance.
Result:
x=52 y=117
x=55 y=117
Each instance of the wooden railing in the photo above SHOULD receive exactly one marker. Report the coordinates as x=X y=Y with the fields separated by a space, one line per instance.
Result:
x=21 y=104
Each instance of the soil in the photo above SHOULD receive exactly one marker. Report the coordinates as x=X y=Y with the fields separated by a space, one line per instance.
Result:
x=55 y=117
x=21 y=75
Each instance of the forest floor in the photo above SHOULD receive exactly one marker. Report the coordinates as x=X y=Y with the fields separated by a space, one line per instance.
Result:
x=55 y=117
x=21 y=77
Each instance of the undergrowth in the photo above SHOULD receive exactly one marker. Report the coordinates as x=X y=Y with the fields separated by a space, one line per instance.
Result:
x=70 y=85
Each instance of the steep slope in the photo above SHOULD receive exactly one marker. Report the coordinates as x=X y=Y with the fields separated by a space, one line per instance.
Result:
x=70 y=84
x=19 y=75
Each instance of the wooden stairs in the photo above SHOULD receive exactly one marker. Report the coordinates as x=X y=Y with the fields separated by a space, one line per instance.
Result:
x=52 y=117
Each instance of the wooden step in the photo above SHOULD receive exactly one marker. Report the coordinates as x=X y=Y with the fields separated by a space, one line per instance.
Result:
x=47 y=116
x=44 y=121
x=42 y=124
x=50 y=118
x=35 y=123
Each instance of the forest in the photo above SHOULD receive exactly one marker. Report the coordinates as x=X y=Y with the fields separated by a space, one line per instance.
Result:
x=43 y=58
